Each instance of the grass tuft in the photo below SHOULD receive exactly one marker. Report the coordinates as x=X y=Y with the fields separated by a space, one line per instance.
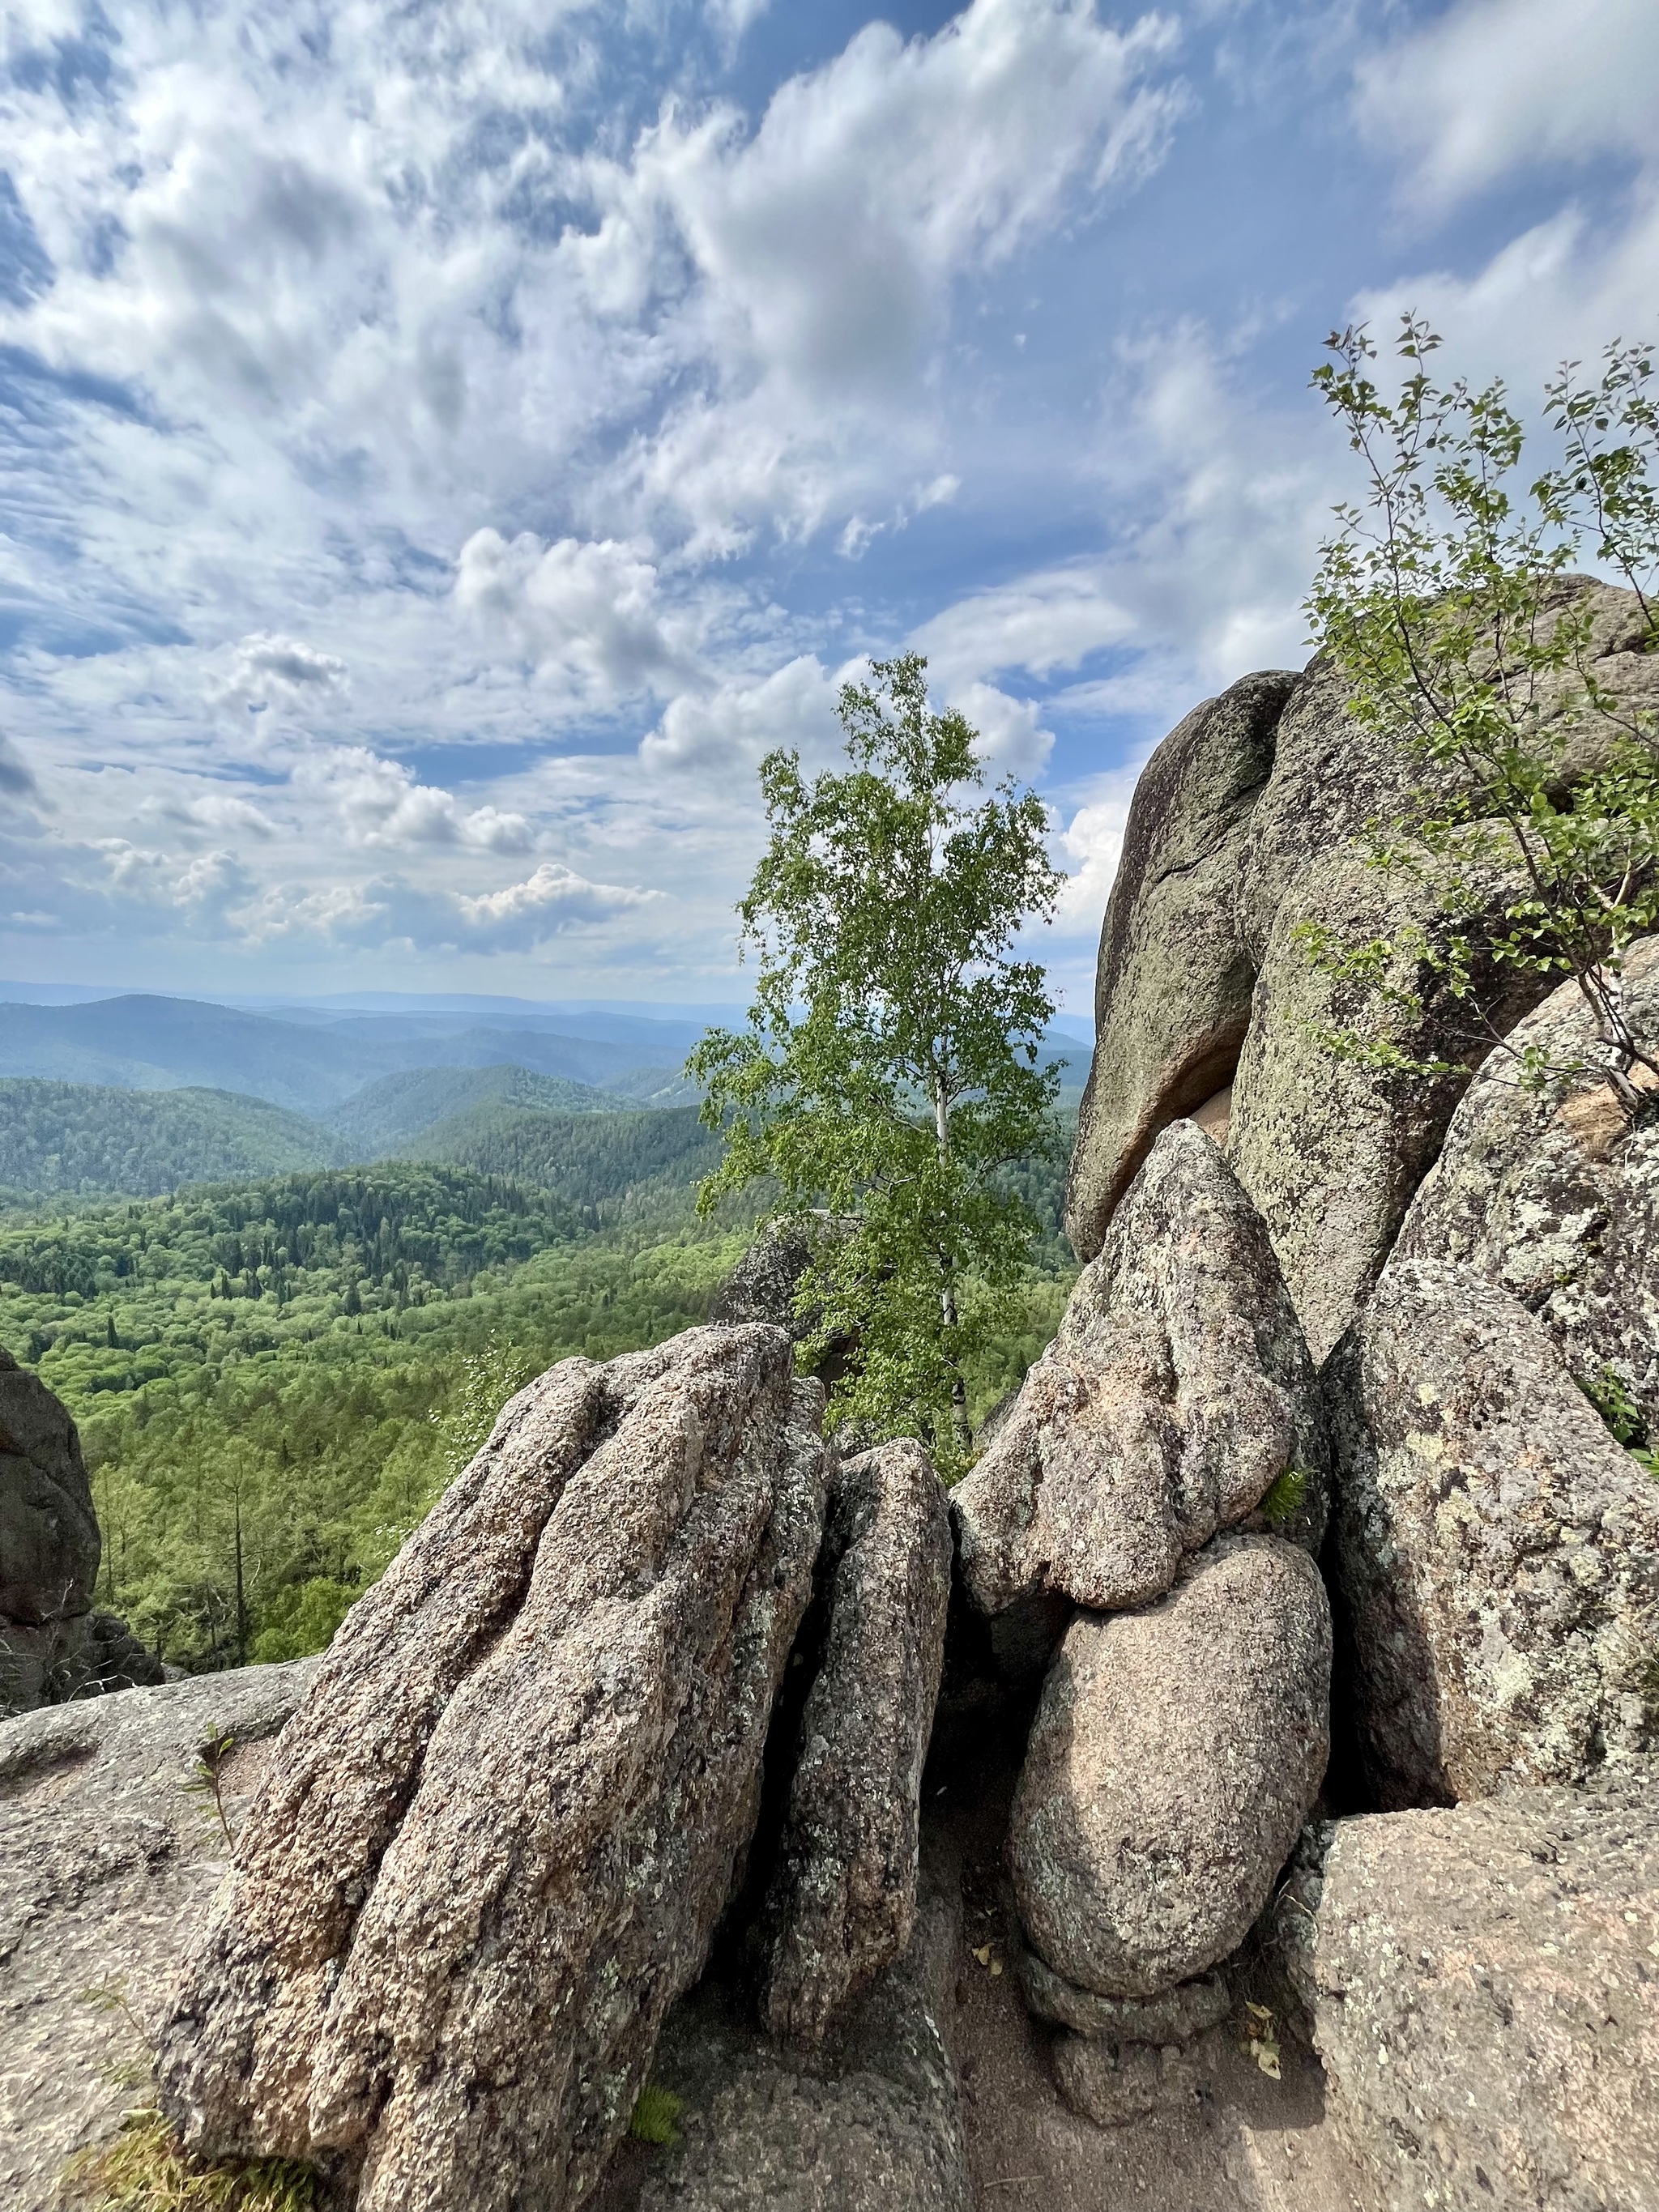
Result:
x=145 y=2170
x=655 y=2112
x=1285 y=1496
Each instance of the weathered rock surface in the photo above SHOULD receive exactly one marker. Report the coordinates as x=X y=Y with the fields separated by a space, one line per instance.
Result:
x=1177 y=1391
x=868 y=2121
x=107 y=1862
x=53 y=1647
x=1175 y=977
x=1549 y=1195
x=1498 y=1553
x=763 y=1286
x=1178 y=2015
x=517 y=1800
x=843 y=1895
x=1330 y=1155
x=1175 y=1756
x=1113 y=2084
x=1487 y=1999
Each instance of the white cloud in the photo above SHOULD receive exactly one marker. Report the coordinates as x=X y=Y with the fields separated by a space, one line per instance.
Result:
x=589 y=612
x=16 y=776
x=377 y=802
x=389 y=910
x=1089 y=848
x=1493 y=86
x=1053 y=619
x=265 y=672
x=1012 y=740
x=737 y=722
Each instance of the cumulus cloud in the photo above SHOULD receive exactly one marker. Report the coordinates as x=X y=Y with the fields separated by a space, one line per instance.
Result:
x=1053 y=619
x=590 y=612
x=738 y=721
x=1495 y=85
x=378 y=802
x=1013 y=740
x=265 y=672
x=1089 y=848
x=390 y=910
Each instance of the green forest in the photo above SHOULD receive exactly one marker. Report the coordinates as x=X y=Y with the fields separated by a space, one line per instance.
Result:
x=274 y=1378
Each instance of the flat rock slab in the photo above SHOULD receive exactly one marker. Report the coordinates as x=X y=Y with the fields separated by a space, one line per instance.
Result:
x=1497 y=1551
x=108 y=1862
x=1487 y=1999
x=869 y=2121
x=1176 y=1393
x=517 y=1801
x=1174 y=1757
x=843 y=1896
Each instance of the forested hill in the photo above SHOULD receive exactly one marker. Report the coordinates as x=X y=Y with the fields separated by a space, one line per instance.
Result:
x=85 y=1139
x=610 y=1166
x=377 y=1121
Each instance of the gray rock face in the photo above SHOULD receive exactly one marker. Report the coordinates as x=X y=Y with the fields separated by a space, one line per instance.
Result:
x=1175 y=1756
x=1331 y=1156
x=1176 y=1393
x=843 y=1896
x=1498 y=1553
x=868 y=2121
x=52 y=1646
x=1175 y=976
x=763 y=1285
x=108 y=1865
x=1179 y=2016
x=1548 y=1194
x=1115 y=2084
x=1487 y=2005
x=517 y=1800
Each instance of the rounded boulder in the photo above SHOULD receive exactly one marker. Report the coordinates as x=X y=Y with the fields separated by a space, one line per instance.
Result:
x=1175 y=1754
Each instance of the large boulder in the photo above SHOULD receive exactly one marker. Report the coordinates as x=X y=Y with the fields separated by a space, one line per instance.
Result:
x=1330 y=1153
x=869 y=2120
x=1496 y=1551
x=517 y=1801
x=1177 y=1393
x=54 y=1646
x=1547 y=1193
x=109 y=1852
x=1487 y=2001
x=843 y=1895
x=1175 y=976
x=1175 y=1754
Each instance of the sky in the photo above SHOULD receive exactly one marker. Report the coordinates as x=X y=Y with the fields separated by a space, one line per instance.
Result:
x=444 y=445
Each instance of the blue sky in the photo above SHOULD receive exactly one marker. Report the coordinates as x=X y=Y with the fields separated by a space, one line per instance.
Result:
x=444 y=446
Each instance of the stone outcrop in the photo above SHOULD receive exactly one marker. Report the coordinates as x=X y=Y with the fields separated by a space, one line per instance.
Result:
x=54 y=1646
x=843 y=1894
x=1177 y=1393
x=1487 y=2001
x=1175 y=1756
x=108 y=1860
x=1330 y=1154
x=517 y=1801
x=1113 y=2084
x=763 y=1285
x=1548 y=1193
x=1498 y=1553
x=1175 y=977
x=868 y=2121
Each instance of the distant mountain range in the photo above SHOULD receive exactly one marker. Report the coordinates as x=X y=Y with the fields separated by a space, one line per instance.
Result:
x=137 y=1095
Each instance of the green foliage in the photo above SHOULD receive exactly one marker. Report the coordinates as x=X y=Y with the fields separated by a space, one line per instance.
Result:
x=82 y=1138
x=656 y=2114
x=890 y=1076
x=1449 y=605
x=610 y=1168
x=1284 y=1496
x=1610 y=1395
x=209 y=1777
x=145 y=2170
x=382 y=1117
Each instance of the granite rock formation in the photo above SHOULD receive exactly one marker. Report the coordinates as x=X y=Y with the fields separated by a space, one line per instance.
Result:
x=1175 y=1755
x=1498 y=1553
x=1177 y=1393
x=1246 y=822
x=517 y=1801
x=53 y=1645
x=843 y=1893
x=1487 y=2003
x=1175 y=2016
x=1548 y=1193
x=108 y=1860
x=867 y=2120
